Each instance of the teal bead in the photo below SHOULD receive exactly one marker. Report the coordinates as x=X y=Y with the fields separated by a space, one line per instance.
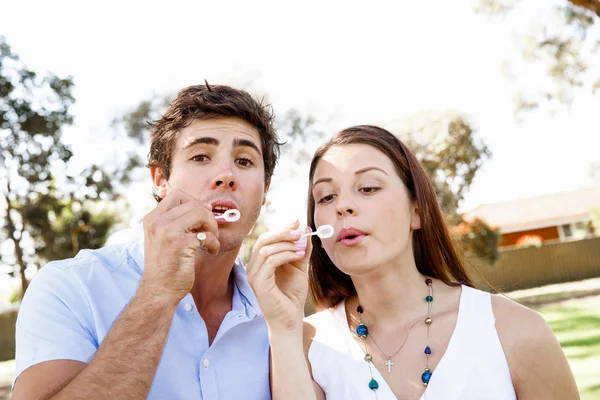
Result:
x=426 y=377
x=373 y=385
x=429 y=299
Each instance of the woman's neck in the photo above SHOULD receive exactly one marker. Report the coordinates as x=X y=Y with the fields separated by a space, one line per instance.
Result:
x=392 y=295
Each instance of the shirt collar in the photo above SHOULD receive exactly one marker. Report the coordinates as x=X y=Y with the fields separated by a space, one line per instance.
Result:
x=240 y=278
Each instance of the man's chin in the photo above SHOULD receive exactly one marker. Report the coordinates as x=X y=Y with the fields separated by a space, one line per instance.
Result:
x=230 y=243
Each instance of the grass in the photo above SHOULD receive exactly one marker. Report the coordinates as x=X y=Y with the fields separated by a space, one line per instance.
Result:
x=572 y=310
x=6 y=373
x=576 y=324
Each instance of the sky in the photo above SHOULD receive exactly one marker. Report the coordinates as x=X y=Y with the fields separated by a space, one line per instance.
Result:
x=346 y=62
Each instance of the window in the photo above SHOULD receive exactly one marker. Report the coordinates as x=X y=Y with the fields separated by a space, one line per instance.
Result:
x=567 y=232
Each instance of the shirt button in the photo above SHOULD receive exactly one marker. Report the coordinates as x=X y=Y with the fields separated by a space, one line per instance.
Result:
x=205 y=363
x=187 y=307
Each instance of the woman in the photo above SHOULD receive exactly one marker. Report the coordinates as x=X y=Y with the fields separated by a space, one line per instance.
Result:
x=400 y=317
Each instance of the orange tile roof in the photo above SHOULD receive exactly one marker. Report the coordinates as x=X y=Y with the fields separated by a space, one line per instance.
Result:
x=540 y=210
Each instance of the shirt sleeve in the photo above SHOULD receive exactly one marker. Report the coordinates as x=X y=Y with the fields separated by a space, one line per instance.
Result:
x=54 y=321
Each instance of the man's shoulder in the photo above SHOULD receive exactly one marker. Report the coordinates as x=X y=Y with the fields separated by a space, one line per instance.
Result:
x=87 y=264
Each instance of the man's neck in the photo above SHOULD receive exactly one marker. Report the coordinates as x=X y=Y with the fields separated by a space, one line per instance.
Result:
x=213 y=289
x=213 y=283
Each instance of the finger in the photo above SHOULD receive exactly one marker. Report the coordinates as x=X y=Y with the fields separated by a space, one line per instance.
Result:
x=211 y=244
x=292 y=234
x=178 y=211
x=261 y=254
x=197 y=219
x=267 y=269
x=309 y=248
x=176 y=197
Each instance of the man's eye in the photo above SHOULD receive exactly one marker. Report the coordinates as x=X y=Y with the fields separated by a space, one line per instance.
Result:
x=200 y=158
x=245 y=162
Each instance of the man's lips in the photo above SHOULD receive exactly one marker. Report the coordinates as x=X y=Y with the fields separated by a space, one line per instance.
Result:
x=219 y=207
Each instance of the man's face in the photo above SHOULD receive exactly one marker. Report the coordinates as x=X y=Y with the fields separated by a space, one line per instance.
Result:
x=220 y=162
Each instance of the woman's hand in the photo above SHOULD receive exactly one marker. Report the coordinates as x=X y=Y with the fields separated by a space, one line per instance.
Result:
x=278 y=274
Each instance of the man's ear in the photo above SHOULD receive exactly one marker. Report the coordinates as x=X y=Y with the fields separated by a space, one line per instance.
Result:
x=267 y=185
x=159 y=182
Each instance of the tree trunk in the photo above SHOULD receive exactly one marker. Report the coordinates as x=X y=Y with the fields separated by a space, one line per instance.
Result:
x=12 y=232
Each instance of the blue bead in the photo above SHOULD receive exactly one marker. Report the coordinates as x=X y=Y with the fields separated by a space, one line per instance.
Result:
x=426 y=376
x=429 y=299
x=361 y=330
x=373 y=385
x=427 y=350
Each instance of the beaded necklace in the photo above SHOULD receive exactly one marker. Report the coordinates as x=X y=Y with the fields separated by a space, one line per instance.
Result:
x=362 y=331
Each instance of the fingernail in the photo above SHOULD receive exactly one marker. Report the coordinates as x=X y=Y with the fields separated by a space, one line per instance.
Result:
x=301 y=245
x=301 y=253
x=296 y=232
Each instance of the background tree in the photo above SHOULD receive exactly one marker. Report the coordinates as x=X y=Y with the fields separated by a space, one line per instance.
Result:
x=47 y=213
x=560 y=42
x=447 y=146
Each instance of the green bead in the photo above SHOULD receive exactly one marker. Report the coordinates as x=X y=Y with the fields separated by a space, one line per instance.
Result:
x=429 y=299
x=373 y=385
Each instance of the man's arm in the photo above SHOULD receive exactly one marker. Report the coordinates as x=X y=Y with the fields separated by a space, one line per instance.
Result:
x=124 y=366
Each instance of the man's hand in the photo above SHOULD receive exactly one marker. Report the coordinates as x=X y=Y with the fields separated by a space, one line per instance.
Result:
x=170 y=243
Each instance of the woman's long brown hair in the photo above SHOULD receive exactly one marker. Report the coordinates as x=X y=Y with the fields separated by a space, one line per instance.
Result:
x=434 y=251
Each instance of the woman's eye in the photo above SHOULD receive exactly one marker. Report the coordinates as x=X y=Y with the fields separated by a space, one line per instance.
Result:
x=370 y=190
x=326 y=199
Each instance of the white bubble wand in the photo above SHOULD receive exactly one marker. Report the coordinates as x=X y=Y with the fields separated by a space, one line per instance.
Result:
x=323 y=232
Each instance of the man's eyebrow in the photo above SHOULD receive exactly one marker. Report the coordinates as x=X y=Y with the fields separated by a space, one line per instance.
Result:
x=202 y=140
x=246 y=143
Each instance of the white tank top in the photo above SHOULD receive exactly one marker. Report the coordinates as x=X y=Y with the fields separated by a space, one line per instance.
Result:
x=474 y=366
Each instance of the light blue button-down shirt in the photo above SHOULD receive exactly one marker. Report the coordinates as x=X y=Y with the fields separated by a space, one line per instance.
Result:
x=71 y=305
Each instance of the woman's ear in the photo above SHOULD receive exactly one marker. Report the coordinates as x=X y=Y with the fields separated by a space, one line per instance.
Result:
x=415 y=218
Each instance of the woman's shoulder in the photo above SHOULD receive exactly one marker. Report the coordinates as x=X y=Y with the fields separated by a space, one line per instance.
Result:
x=527 y=339
x=518 y=322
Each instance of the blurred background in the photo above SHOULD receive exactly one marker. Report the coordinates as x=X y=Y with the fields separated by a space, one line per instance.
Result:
x=498 y=98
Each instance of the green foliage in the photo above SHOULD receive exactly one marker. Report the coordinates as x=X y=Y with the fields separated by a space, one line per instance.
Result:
x=44 y=207
x=449 y=150
x=562 y=40
x=15 y=296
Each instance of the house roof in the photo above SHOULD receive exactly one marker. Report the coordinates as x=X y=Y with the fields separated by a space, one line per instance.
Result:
x=539 y=211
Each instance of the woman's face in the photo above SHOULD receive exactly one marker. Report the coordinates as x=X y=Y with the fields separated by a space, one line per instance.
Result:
x=356 y=190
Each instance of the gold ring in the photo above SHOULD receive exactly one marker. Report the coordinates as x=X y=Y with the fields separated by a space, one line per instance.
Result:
x=201 y=237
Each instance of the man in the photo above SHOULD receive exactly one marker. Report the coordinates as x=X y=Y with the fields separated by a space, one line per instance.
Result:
x=166 y=315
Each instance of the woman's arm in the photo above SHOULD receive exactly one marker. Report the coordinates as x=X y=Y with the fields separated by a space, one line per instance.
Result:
x=538 y=366
x=278 y=274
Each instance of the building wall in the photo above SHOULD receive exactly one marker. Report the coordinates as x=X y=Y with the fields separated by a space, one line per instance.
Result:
x=548 y=233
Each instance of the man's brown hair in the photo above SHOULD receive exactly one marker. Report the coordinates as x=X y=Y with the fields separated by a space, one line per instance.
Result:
x=204 y=102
